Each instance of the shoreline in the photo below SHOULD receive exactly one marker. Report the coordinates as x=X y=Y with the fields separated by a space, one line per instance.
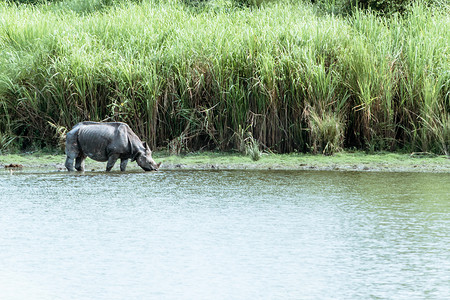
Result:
x=344 y=161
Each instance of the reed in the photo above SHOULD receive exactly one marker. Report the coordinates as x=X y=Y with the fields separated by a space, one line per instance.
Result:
x=190 y=78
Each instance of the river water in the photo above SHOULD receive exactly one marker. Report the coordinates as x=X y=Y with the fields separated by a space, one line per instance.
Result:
x=224 y=235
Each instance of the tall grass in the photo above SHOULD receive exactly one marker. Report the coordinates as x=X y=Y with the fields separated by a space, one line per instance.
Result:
x=195 y=76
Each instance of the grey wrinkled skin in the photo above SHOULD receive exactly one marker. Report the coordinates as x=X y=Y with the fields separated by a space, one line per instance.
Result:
x=107 y=142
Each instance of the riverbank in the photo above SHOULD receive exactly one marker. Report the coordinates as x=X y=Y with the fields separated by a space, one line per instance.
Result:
x=287 y=74
x=345 y=161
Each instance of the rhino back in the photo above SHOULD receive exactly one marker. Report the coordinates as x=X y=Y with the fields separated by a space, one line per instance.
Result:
x=100 y=140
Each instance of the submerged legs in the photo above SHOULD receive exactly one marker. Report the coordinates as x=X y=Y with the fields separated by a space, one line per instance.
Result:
x=79 y=163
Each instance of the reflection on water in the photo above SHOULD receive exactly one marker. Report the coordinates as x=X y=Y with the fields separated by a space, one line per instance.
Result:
x=224 y=235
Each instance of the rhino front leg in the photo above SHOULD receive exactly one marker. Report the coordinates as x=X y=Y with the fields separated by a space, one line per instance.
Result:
x=123 y=165
x=111 y=161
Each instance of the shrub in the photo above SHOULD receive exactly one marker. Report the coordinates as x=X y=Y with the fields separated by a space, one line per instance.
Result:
x=384 y=6
x=380 y=6
x=326 y=131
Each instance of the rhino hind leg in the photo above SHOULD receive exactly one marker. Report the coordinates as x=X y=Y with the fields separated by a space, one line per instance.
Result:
x=69 y=164
x=79 y=163
x=72 y=149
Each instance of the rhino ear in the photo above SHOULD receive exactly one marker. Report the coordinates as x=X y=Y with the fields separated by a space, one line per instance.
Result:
x=147 y=148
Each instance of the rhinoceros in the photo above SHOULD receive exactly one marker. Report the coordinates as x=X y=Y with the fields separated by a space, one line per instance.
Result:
x=106 y=142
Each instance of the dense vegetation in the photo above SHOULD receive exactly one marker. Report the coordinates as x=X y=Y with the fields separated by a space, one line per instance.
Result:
x=292 y=76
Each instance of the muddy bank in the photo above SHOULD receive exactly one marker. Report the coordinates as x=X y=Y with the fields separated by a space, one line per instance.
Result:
x=346 y=161
x=312 y=167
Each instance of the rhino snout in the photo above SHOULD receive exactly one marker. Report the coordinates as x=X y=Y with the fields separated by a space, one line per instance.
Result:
x=151 y=167
x=156 y=166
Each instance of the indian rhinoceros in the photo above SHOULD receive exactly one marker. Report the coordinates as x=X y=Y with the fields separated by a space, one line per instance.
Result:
x=106 y=142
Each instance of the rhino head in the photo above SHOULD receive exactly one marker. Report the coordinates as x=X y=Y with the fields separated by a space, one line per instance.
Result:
x=145 y=160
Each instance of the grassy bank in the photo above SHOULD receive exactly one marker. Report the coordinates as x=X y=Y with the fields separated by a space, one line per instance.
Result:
x=344 y=161
x=287 y=74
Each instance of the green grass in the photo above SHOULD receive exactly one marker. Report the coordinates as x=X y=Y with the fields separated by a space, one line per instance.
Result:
x=192 y=77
